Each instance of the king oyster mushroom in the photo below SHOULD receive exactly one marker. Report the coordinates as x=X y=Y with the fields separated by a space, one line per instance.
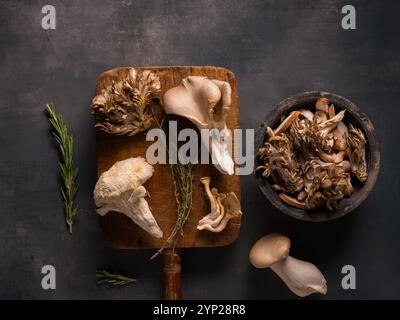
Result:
x=121 y=189
x=123 y=107
x=206 y=103
x=224 y=206
x=301 y=277
x=310 y=157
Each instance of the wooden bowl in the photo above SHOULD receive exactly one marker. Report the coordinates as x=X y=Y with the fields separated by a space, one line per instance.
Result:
x=353 y=115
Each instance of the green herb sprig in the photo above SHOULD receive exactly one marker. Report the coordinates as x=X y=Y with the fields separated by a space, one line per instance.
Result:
x=114 y=279
x=182 y=178
x=68 y=172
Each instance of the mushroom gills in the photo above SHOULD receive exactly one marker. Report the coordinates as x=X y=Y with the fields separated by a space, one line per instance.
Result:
x=206 y=103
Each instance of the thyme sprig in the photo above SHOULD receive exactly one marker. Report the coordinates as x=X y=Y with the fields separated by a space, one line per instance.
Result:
x=114 y=279
x=182 y=178
x=68 y=172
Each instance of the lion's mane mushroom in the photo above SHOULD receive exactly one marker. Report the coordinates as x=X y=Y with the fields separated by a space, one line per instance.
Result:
x=123 y=107
x=206 y=103
x=224 y=206
x=301 y=277
x=121 y=189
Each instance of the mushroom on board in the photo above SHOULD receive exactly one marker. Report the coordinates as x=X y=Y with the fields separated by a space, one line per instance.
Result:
x=121 y=189
x=302 y=278
x=123 y=108
x=224 y=207
x=206 y=103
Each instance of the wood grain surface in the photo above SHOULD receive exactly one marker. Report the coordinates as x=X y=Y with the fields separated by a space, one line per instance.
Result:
x=118 y=230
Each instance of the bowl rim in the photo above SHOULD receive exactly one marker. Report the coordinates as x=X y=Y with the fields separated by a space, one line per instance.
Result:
x=373 y=164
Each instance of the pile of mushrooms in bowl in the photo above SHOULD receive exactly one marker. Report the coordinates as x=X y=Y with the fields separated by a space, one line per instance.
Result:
x=317 y=156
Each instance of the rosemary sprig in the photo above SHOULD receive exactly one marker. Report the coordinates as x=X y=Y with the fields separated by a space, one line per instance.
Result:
x=115 y=279
x=68 y=171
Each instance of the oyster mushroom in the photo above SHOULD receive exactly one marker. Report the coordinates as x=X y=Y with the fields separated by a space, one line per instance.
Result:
x=331 y=111
x=224 y=206
x=330 y=124
x=123 y=107
x=340 y=136
x=286 y=123
x=302 y=195
x=322 y=104
x=206 y=103
x=324 y=136
x=301 y=277
x=121 y=189
x=310 y=157
x=320 y=117
x=307 y=114
x=217 y=210
x=294 y=202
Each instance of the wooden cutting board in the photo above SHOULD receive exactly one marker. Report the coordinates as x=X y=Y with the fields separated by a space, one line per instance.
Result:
x=118 y=230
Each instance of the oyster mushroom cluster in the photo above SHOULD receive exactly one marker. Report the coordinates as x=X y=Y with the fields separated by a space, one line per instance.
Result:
x=206 y=103
x=123 y=107
x=311 y=157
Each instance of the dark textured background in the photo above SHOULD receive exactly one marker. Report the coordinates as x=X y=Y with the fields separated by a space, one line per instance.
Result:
x=276 y=49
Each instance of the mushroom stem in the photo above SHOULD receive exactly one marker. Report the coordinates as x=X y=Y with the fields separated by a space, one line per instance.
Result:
x=206 y=182
x=293 y=202
x=301 y=277
x=220 y=154
x=287 y=122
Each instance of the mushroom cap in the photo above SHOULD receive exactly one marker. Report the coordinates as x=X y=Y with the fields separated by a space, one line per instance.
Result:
x=193 y=99
x=269 y=250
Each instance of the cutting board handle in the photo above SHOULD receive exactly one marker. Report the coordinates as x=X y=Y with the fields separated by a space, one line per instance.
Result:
x=172 y=275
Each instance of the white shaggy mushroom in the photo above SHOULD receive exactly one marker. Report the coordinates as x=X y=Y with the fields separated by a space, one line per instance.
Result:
x=121 y=189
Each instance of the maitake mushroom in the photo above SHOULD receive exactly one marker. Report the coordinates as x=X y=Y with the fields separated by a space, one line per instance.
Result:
x=356 y=143
x=302 y=278
x=206 y=103
x=121 y=189
x=224 y=206
x=310 y=157
x=123 y=107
